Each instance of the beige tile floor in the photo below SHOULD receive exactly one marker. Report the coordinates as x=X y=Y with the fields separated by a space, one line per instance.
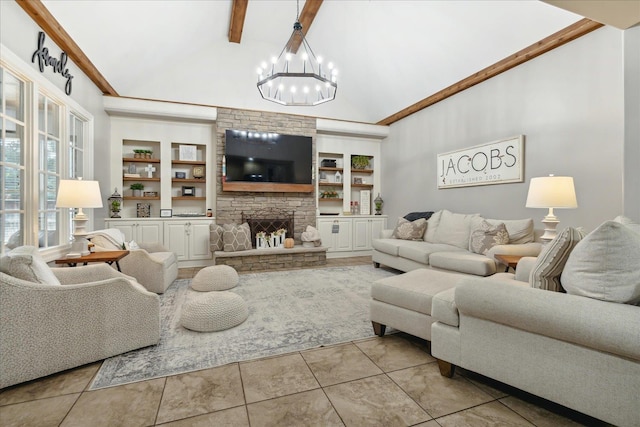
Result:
x=389 y=381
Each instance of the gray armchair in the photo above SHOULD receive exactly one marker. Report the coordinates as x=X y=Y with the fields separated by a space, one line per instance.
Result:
x=80 y=315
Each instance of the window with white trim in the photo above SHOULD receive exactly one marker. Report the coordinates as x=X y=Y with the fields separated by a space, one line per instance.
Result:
x=44 y=137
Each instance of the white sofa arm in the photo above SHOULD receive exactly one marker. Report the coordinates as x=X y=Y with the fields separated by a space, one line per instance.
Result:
x=385 y=234
x=600 y=325
x=524 y=267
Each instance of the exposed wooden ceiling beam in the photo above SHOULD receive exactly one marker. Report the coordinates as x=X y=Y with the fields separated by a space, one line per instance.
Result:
x=308 y=14
x=45 y=20
x=572 y=32
x=236 y=23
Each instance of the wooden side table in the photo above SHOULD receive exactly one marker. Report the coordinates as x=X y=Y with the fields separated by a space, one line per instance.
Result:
x=107 y=256
x=508 y=260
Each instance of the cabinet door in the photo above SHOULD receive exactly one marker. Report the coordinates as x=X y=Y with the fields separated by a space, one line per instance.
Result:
x=127 y=228
x=176 y=238
x=149 y=232
x=343 y=238
x=199 y=240
x=377 y=225
x=324 y=228
x=361 y=234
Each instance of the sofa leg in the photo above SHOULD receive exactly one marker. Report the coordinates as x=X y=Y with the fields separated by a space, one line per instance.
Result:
x=376 y=264
x=446 y=368
x=378 y=328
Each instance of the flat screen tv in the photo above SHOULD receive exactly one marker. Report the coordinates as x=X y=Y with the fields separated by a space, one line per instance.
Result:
x=268 y=158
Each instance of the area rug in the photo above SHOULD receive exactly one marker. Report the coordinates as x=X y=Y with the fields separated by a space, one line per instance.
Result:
x=288 y=311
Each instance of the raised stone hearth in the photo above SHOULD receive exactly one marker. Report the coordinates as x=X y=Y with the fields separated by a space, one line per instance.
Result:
x=272 y=259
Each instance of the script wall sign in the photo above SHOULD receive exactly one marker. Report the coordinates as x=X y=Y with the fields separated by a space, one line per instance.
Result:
x=58 y=65
x=497 y=162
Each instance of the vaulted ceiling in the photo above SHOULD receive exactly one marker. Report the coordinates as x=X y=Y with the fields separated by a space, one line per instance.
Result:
x=391 y=54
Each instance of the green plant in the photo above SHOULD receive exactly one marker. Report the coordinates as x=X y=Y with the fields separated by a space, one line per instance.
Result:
x=329 y=194
x=115 y=205
x=359 y=162
x=136 y=186
x=138 y=151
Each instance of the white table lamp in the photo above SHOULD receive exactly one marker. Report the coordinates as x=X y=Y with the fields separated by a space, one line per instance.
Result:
x=79 y=194
x=551 y=192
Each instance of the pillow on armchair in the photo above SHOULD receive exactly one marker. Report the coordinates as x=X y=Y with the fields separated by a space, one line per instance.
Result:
x=25 y=263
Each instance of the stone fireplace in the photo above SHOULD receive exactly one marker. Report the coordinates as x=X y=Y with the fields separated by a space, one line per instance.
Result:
x=232 y=206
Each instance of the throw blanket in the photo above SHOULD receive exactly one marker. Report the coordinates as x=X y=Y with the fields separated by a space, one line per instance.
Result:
x=109 y=239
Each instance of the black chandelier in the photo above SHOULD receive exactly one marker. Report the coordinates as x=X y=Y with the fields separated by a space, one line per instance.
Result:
x=297 y=78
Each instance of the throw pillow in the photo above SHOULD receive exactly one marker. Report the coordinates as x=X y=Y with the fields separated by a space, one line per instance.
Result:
x=604 y=265
x=487 y=236
x=432 y=226
x=236 y=237
x=410 y=230
x=454 y=229
x=520 y=230
x=412 y=216
x=545 y=274
x=215 y=237
x=105 y=244
x=631 y=224
x=25 y=263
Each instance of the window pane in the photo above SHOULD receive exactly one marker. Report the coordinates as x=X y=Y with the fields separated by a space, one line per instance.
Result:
x=76 y=166
x=48 y=230
x=42 y=123
x=1 y=89
x=12 y=144
x=11 y=188
x=77 y=133
x=53 y=118
x=52 y=192
x=14 y=96
x=11 y=235
x=52 y=156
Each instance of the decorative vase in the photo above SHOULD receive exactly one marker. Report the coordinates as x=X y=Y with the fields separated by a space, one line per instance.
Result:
x=378 y=202
x=260 y=243
x=137 y=193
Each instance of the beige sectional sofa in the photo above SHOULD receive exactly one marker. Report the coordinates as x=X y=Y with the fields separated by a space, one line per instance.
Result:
x=445 y=245
x=565 y=326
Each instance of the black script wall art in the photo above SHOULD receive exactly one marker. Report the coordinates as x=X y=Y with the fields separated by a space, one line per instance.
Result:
x=59 y=65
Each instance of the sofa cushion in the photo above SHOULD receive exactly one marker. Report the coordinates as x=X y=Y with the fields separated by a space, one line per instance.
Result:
x=413 y=290
x=443 y=307
x=486 y=236
x=432 y=225
x=604 y=265
x=410 y=230
x=520 y=230
x=25 y=263
x=216 y=241
x=421 y=251
x=386 y=246
x=463 y=262
x=236 y=237
x=552 y=259
x=454 y=229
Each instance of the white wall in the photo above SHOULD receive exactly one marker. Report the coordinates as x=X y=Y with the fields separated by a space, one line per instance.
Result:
x=19 y=33
x=568 y=103
x=632 y=122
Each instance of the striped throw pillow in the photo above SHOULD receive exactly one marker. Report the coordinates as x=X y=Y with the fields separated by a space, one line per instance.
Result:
x=550 y=263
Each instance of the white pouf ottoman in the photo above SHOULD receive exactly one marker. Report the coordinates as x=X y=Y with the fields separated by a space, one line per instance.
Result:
x=215 y=278
x=215 y=311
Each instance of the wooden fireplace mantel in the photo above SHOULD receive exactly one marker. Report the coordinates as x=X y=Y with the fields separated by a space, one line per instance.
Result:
x=267 y=187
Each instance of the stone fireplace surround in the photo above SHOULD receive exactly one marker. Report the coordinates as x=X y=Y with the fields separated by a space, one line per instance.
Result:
x=230 y=205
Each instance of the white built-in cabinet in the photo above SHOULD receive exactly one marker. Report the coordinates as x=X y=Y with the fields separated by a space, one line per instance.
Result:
x=141 y=231
x=350 y=235
x=188 y=239
x=339 y=142
x=365 y=230
x=178 y=172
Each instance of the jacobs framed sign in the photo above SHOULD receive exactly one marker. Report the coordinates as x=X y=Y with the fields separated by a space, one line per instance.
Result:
x=496 y=162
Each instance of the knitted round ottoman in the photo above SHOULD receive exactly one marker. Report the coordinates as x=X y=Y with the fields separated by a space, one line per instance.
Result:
x=215 y=278
x=215 y=311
